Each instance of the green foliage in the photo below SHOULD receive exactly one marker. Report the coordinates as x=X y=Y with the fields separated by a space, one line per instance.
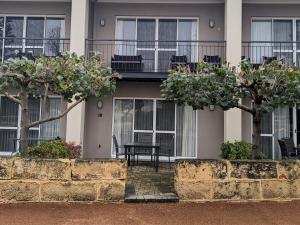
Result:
x=74 y=151
x=270 y=86
x=69 y=76
x=49 y=149
x=236 y=150
x=54 y=149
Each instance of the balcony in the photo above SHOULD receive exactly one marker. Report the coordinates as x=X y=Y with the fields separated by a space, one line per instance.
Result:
x=34 y=47
x=263 y=51
x=151 y=60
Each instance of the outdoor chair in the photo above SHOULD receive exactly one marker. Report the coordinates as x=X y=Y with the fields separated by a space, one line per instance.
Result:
x=268 y=60
x=127 y=63
x=120 y=150
x=177 y=61
x=212 y=59
x=288 y=149
x=143 y=151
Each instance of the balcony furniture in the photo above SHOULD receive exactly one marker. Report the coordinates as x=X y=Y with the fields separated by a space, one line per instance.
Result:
x=288 y=149
x=147 y=149
x=127 y=63
x=213 y=59
x=268 y=60
x=177 y=61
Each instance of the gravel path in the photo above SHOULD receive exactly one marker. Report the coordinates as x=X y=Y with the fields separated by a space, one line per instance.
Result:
x=267 y=213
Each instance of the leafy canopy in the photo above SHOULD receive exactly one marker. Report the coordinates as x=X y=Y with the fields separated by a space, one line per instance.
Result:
x=69 y=76
x=270 y=86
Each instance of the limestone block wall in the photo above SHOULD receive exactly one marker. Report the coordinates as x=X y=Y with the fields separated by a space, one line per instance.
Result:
x=218 y=180
x=62 y=180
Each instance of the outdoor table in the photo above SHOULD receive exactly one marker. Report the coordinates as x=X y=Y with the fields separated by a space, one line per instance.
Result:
x=128 y=150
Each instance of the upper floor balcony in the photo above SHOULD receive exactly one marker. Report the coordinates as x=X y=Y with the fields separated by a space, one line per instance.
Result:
x=35 y=47
x=153 y=59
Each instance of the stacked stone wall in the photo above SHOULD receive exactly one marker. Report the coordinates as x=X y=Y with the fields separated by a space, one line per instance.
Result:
x=218 y=180
x=42 y=180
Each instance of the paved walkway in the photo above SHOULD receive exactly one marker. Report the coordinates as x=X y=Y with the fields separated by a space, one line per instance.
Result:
x=145 y=184
x=287 y=213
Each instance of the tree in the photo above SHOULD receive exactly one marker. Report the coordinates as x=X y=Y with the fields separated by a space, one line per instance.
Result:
x=272 y=85
x=70 y=76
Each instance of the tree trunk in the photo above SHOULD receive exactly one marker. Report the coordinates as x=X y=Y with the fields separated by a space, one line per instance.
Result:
x=24 y=123
x=256 y=135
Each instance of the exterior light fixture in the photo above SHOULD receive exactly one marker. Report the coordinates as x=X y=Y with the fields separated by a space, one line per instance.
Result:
x=99 y=104
x=102 y=22
x=212 y=107
x=211 y=23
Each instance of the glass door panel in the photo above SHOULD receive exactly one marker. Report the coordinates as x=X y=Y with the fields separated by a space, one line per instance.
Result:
x=165 y=126
x=143 y=115
x=54 y=30
x=167 y=43
x=14 y=35
x=146 y=42
x=166 y=143
x=266 y=140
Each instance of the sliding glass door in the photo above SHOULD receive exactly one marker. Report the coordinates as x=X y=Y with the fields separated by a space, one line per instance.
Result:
x=156 y=121
x=276 y=37
x=156 y=40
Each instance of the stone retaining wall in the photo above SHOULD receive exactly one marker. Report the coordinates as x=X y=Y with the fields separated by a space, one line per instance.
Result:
x=217 y=180
x=41 y=180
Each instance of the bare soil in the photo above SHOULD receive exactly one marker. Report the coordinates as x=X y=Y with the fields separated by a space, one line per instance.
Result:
x=266 y=213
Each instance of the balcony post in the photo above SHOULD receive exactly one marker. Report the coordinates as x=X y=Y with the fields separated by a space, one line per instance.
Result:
x=233 y=37
x=79 y=33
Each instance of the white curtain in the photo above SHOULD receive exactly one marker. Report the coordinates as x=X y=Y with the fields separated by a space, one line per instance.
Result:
x=51 y=130
x=123 y=121
x=186 y=132
x=187 y=31
x=261 y=31
x=126 y=30
x=281 y=127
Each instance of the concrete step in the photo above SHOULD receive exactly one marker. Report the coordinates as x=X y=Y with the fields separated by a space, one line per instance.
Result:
x=161 y=198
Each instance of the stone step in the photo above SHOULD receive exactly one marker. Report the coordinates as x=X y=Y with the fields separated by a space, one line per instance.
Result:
x=161 y=198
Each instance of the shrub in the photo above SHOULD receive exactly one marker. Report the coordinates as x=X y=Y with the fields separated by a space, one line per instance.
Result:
x=236 y=150
x=54 y=149
x=74 y=150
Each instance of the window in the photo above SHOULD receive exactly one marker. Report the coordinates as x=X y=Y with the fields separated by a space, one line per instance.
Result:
x=156 y=121
x=276 y=37
x=10 y=122
x=157 y=39
x=35 y=34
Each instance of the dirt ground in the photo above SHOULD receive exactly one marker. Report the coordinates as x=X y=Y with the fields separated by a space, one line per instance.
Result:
x=267 y=213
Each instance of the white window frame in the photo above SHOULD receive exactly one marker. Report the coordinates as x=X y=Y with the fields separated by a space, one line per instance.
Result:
x=294 y=20
x=113 y=155
x=18 y=128
x=25 y=16
x=156 y=49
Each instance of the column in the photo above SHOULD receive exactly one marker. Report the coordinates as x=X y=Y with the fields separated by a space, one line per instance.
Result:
x=233 y=37
x=79 y=33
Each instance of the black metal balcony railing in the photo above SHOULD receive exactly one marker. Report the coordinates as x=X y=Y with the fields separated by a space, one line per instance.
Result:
x=262 y=51
x=48 y=47
x=128 y=56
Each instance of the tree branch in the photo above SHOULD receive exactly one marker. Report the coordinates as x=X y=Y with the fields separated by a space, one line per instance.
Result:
x=36 y=123
x=245 y=108
x=12 y=98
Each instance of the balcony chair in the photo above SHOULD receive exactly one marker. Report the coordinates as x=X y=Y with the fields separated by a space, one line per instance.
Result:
x=288 y=149
x=177 y=61
x=268 y=59
x=127 y=63
x=213 y=59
